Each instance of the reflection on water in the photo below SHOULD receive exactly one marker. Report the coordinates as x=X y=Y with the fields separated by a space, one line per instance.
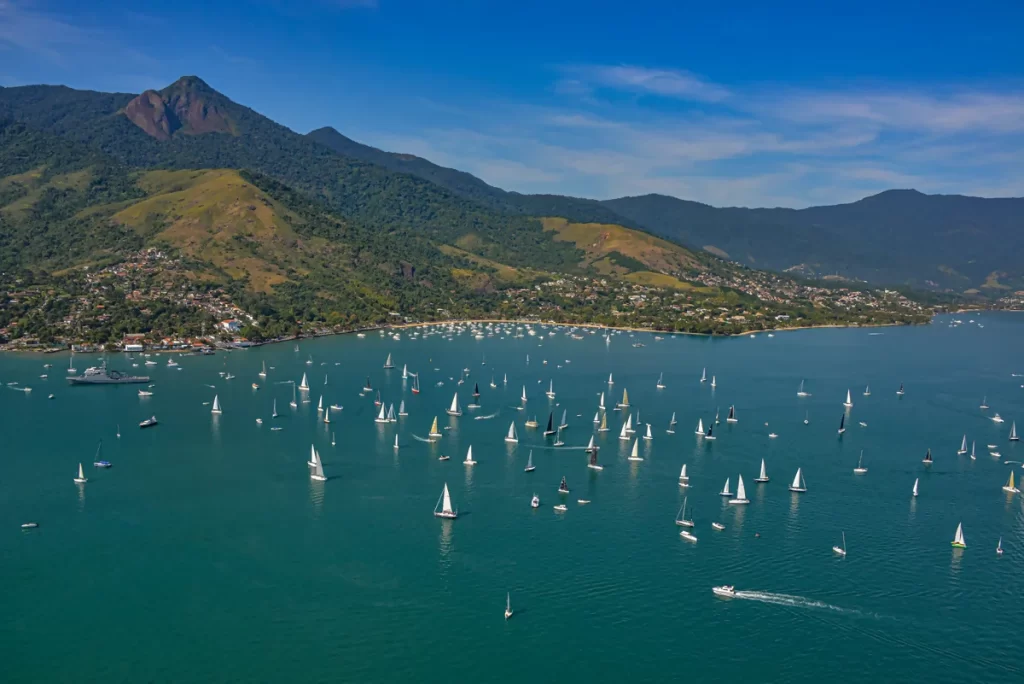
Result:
x=316 y=496
x=794 y=504
x=81 y=496
x=741 y=512
x=955 y=560
x=214 y=426
x=445 y=543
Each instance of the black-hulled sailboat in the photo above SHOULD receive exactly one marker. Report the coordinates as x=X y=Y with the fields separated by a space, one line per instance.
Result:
x=551 y=424
x=842 y=424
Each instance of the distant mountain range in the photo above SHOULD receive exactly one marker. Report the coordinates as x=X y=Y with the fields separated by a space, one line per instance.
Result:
x=897 y=237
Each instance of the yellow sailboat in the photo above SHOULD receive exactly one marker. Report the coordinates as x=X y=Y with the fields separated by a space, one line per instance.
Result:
x=625 y=399
x=604 y=423
x=433 y=429
x=1009 y=486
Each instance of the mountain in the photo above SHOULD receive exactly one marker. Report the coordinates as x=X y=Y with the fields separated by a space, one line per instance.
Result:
x=898 y=236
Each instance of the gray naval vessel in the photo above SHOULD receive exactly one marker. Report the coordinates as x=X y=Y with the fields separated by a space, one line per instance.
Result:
x=100 y=375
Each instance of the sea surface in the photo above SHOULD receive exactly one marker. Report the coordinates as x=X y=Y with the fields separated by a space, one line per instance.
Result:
x=207 y=554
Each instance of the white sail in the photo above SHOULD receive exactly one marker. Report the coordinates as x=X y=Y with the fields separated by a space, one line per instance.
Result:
x=312 y=455
x=1013 y=432
x=469 y=456
x=600 y=404
x=635 y=454
x=661 y=381
x=446 y=500
x=396 y=442
x=916 y=480
x=590 y=446
x=320 y=404
x=700 y=426
x=81 y=474
x=304 y=385
x=382 y=416
x=741 y=491
x=511 y=436
x=673 y=421
x=629 y=423
x=387 y=363
x=318 y=470
x=648 y=436
x=958 y=540
x=327 y=417
x=849 y=400
x=216 y=405
x=623 y=434
x=798 y=481
x=610 y=381
x=763 y=476
x=704 y=375
x=524 y=394
x=682 y=474
x=455 y=410
x=274 y=415
x=725 y=490
x=405 y=371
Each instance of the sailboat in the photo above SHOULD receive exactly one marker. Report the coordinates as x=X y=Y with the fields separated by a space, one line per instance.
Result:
x=216 y=405
x=382 y=417
x=563 y=424
x=849 y=401
x=563 y=488
x=927 y=458
x=841 y=550
x=318 y=469
x=332 y=439
x=327 y=417
x=405 y=371
x=433 y=429
x=263 y=373
x=592 y=464
x=648 y=436
x=97 y=461
x=401 y=409
x=681 y=518
x=476 y=389
x=590 y=445
x=274 y=414
x=673 y=420
x=416 y=384
x=958 y=540
x=661 y=381
x=511 y=437
x=469 y=456
x=798 y=484
x=494 y=385
x=392 y=418
x=842 y=424
x=763 y=476
x=610 y=381
x=551 y=390
x=635 y=454
x=704 y=375
x=625 y=400
x=714 y=383
x=725 y=490
x=597 y=418
x=741 y=493
x=630 y=421
x=860 y=469
x=684 y=479
x=807 y=418
x=454 y=409
x=671 y=425
x=604 y=423
x=387 y=363
x=508 y=606
x=396 y=442
x=529 y=463
x=71 y=363
x=309 y=361
x=800 y=392
x=708 y=435
x=523 y=398
x=304 y=385
x=916 y=481
x=320 y=404
x=1013 y=432
x=367 y=387
x=731 y=418
x=325 y=379
x=1009 y=486
x=600 y=403
x=558 y=438
x=313 y=458
x=900 y=392
x=550 y=430
x=700 y=427
x=81 y=479
x=984 y=404
x=963 y=447
x=443 y=507
x=999 y=547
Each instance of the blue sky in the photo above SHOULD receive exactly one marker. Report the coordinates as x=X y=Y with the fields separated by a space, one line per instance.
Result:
x=759 y=104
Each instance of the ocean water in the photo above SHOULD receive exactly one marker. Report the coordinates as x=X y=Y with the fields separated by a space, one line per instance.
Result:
x=206 y=554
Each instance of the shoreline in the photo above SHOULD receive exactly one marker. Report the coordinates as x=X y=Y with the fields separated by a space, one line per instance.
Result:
x=472 y=321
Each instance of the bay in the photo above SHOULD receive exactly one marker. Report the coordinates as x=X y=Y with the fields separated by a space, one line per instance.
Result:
x=207 y=554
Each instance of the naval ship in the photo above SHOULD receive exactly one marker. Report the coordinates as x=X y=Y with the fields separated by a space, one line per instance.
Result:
x=99 y=375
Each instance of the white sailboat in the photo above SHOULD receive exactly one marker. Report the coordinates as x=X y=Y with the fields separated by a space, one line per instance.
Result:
x=433 y=430
x=623 y=435
x=327 y=417
x=312 y=455
x=741 y=493
x=725 y=490
x=263 y=373
x=648 y=436
x=320 y=404
x=700 y=427
x=860 y=469
x=564 y=423
x=396 y=442
x=558 y=438
x=216 y=405
x=590 y=445
x=916 y=481
x=274 y=414
x=849 y=400
x=551 y=390
x=610 y=381
x=963 y=447
x=973 y=457
x=511 y=437
x=841 y=550
x=661 y=381
x=999 y=547
x=469 y=456
x=798 y=484
x=529 y=463
x=1013 y=432
x=800 y=392
x=523 y=398
x=984 y=404
x=443 y=507
x=304 y=385
x=454 y=409
x=597 y=418
x=405 y=371
x=382 y=417
x=958 y=539
x=401 y=409
x=81 y=479
x=763 y=476
x=714 y=383
x=508 y=606
x=681 y=518
x=684 y=479
x=392 y=418
x=635 y=454
x=387 y=363
x=704 y=375
x=318 y=469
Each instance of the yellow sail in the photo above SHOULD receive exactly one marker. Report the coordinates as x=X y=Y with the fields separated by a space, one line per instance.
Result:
x=604 y=423
x=625 y=398
x=433 y=428
x=1010 y=484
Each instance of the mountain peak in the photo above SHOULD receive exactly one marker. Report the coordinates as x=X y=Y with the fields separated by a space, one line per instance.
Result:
x=188 y=106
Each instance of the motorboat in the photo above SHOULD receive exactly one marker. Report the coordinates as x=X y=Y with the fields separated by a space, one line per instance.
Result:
x=726 y=591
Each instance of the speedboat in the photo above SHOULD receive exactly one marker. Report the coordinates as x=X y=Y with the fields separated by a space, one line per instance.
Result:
x=718 y=525
x=29 y=525
x=997 y=419
x=687 y=535
x=102 y=464
x=443 y=458
x=149 y=422
x=259 y=421
x=726 y=591
x=582 y=502
x=255 y=386
x=535 y=502
x=560 y=507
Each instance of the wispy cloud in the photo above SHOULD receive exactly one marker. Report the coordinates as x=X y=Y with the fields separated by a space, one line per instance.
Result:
x=24 y=27
x=664 y=82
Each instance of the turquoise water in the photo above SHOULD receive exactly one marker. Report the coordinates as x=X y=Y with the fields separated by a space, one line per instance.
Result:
x=207 y=554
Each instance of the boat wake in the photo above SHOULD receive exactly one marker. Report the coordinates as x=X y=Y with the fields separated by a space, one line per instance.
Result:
x=486 y=417
x=793 y=601
x=421 y=439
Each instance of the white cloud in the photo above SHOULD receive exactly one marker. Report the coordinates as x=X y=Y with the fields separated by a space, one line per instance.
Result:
x=664 y=82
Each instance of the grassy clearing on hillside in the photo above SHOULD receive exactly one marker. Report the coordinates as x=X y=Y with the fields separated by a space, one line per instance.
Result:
x=507 y=274
x=600 y=241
